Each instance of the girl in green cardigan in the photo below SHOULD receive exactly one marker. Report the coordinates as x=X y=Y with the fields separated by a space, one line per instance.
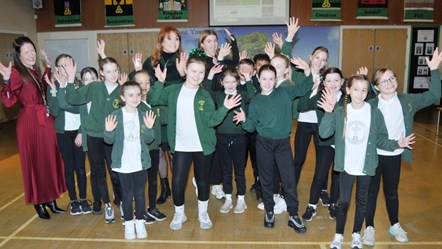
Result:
x=191 y=135
x=397 y=122
x=130 y=131
x=359 y=129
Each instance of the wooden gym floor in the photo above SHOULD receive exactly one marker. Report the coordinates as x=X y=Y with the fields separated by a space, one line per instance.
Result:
x=420 y=211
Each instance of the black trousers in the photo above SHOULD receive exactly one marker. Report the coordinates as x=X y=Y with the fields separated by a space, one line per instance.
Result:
x=276 y=151
x=231 y=149
x=74 y=166
x=326 y=153
x=345 y=188
x=152 y=178
x=389 y=168
x=133 y=185
x=304 y=133
x=180 y=173
x=99 y=151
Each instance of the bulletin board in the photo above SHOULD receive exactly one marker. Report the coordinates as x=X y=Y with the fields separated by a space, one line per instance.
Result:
x=423 y=42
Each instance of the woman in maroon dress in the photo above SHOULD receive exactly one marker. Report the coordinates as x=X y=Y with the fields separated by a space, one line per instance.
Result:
x=41 y=162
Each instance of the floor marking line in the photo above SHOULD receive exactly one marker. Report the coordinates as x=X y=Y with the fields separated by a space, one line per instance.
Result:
x=12 y=235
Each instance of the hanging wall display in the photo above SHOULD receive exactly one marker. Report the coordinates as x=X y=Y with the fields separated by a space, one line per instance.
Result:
x=423 y=42
x=67 y=13
x=172 y=11
x=326 y=10
x=119 y=13
x=418 y=10
x=372 y=9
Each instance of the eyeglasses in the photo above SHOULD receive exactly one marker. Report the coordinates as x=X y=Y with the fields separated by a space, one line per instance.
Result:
x=385 y=82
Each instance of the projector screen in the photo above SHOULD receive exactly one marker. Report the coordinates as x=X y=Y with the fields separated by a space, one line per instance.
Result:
x=248 y=12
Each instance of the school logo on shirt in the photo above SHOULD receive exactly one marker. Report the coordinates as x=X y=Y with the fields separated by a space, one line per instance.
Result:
x=356 y=133
x=201 y=103
x=116 y=104
x=143 y=128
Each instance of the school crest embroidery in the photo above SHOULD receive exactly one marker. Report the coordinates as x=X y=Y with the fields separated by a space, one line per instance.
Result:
x=201 y=103
x=116 y=103
x=143 y=128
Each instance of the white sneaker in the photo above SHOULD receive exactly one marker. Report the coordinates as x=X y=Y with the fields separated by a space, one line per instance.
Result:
x=140 y=229
x=226 y=207
x=109 y=216
x=337 y=242
x=260 y=206
x=205 y=222
x=368 y=238
x=399 y=233
x=217 y=191
x=178 y=220
x=196 y=186
x=280 y=205
x=240 y=206
x=356 y=241
x=129 y=229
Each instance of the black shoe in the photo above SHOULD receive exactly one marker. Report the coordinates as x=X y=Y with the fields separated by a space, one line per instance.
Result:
x=332 y=210
x=165 y=191
x=310 y=212
x=258 y=192
x=148 y=219
x=269 y=220
x=75 y=207
x=42 y=212
x=85 y=207
x=296 y=223
x=156 y=214
x=96 y=208
x=325 y=198
x=54 y=208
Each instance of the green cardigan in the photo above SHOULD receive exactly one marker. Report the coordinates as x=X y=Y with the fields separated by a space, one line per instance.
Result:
x=116 y=137
x=411 y=103
x=102 y=104
x=333 y=124
x=57 y=107
x=206 y=117
x=156 y=127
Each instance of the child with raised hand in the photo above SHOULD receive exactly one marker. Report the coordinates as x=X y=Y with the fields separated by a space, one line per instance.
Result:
x=130 y=131
x=104 y=99
x=152 y=214
x=69 y=138
x=307 y=127
x=389 y=101
x=191 y=134
x=358 y=129
x=231 y=138
x=332 y=80
x=270 y=115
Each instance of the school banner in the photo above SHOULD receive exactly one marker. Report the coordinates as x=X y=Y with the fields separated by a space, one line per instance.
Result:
x=326 y=10
x=172 y=11
x=372 y=9
x=67 y=13
x=119 y=13
x=418 y=10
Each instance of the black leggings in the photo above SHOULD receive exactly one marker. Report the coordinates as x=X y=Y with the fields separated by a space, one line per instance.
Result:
x=327 y=154
x=152 y=178
x=304 y=132
x=389 y=168
x=73 y=158
x=133 y=185
x=180 y=172
x=345 y=188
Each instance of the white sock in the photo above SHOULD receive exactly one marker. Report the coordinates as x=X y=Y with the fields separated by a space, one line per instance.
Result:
x=312 y=205
x=202 y=206
x=179 y=209
x=228 y=197
x=240 y=197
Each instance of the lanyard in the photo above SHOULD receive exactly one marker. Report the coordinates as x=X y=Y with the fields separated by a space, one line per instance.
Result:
x=39 y=87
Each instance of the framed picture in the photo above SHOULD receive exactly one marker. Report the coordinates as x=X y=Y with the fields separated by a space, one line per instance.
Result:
x=246 y=12
x=418 y=49
x=429 y=48
x=422 y=70
x=421 y=60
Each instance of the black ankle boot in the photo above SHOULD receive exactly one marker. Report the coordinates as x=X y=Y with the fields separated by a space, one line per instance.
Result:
x=54 y=208
x=165 y=190
x=41 y=211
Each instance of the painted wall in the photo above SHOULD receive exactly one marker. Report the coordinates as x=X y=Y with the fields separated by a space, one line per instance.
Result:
x=17 y=16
